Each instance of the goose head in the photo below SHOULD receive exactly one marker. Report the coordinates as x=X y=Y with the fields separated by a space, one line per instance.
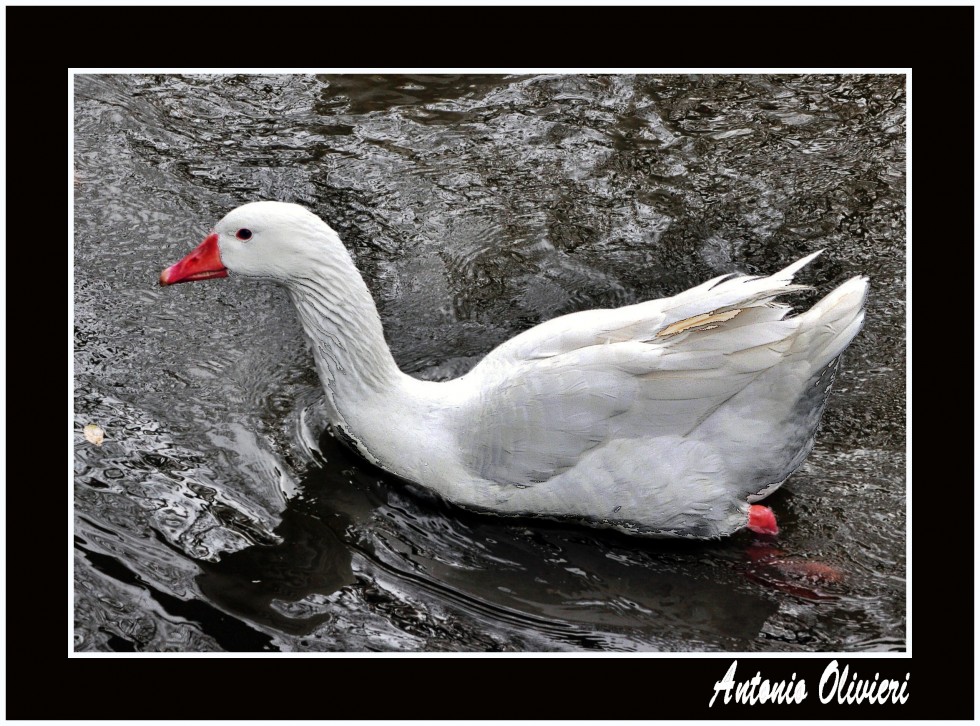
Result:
x=271 y=240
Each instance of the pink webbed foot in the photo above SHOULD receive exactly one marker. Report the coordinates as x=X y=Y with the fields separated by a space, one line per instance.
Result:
x=762 y=520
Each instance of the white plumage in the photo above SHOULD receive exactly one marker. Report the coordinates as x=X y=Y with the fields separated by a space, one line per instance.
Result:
x=663 y=418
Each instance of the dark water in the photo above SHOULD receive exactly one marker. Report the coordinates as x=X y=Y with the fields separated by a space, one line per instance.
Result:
x=215 y=516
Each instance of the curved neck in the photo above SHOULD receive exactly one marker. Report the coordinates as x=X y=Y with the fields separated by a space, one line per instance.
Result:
x=341 y=320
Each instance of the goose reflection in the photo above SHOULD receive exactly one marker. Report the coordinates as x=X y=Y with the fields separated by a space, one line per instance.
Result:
x=355 y=534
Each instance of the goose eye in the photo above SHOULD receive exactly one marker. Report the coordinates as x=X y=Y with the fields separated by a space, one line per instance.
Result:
x=244 y=234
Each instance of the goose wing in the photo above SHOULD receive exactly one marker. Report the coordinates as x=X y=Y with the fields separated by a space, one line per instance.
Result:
x=660 y=368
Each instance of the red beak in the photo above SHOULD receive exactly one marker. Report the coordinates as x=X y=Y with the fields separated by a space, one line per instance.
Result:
x=203 y=263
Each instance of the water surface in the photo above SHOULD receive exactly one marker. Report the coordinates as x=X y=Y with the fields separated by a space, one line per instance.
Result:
x=216 y=516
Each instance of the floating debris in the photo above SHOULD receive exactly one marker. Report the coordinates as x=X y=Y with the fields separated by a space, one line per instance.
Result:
x=94 y=434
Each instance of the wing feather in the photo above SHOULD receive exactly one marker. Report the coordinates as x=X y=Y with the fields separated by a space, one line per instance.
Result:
x=644 y=321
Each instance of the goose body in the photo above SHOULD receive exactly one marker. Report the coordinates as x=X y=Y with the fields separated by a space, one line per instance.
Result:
x=666 y=418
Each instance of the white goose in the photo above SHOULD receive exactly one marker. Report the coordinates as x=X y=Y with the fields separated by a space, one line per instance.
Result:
x=664 y=418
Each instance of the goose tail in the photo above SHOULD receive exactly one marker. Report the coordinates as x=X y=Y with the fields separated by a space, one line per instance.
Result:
x=831 y=324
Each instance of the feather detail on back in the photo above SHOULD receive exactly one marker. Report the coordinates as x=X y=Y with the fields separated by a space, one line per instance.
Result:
x=646 y=321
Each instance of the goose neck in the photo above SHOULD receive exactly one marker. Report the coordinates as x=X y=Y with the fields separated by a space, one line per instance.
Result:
x=342 y=323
